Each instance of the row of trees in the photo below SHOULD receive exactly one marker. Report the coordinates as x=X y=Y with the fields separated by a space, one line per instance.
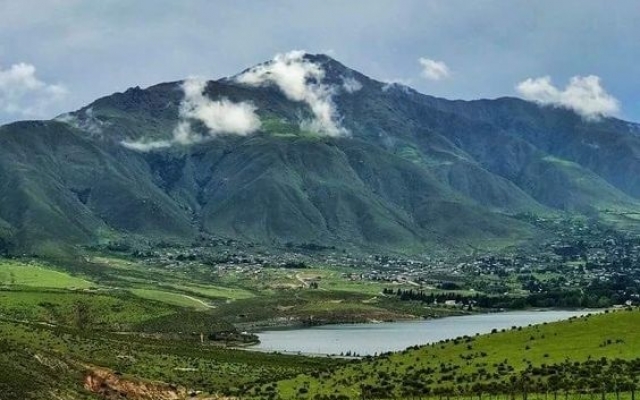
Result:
x=555 y=298
x=600 y=378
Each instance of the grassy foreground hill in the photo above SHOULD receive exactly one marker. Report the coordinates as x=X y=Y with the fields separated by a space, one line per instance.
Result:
x=66 y=335
x=586 y=356
x=71 y=335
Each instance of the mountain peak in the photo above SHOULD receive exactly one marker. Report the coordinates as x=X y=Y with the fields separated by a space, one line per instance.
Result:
x=333 y=71
x=318 y=57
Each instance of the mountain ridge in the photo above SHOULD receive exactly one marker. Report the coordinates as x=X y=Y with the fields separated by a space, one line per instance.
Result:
x=414 y=173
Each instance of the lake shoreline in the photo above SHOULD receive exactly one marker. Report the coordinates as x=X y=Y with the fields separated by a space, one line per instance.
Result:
x=284 y=324
x=362 y=339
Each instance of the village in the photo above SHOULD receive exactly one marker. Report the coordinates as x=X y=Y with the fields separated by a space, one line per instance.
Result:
x=580 y=255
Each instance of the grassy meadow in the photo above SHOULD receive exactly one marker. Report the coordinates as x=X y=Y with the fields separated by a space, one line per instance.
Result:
x=582 y=355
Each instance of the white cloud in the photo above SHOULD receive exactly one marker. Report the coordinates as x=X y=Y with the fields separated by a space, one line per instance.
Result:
x=397 y=84
x=87 y=122
x=299 y=80
x=434 y=70
x=220 y=117
x=145 y=146
x=351 y=85
x=584 y=95
x=23 y=94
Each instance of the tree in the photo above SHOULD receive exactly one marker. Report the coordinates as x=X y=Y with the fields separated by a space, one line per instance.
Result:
x=82 y=314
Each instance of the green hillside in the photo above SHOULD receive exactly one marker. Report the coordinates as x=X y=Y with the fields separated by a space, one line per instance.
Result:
x=586 y=355
x=414 y=174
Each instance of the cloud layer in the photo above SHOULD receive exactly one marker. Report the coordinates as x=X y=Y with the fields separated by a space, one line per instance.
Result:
x=434 y=70
x=24 y=95
x=219 y=117
x=584 y=95
x=299 y=80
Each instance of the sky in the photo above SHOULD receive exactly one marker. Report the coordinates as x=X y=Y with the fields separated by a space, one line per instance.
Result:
x=58 y=55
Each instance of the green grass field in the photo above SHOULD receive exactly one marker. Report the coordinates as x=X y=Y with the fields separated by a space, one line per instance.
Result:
x=215 y=291
x=172 y=298
x=237 y=297
x=34 y=275
x=96 y=311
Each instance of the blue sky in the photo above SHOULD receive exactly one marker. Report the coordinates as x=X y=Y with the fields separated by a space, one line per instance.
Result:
x=58 y=55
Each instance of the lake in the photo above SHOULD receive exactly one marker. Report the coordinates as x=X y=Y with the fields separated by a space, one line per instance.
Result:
x=368 y=339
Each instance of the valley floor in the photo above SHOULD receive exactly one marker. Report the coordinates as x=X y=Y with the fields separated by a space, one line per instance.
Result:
x=104 y=325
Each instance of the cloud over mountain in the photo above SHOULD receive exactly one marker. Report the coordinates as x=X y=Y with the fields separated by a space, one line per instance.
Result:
x=300 y=80
x=584 y=95
x=218 y=116
x=351 y=85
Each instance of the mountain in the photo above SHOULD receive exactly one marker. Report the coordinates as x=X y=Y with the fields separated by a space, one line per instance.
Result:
x=337 y=159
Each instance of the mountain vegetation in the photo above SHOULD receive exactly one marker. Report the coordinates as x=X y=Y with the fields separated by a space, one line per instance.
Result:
x=410 y=173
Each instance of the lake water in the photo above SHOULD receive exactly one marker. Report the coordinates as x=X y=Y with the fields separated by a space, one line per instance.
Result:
x=368 y=339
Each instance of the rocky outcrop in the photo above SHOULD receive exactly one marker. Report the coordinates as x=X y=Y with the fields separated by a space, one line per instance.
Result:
x=112 y=385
